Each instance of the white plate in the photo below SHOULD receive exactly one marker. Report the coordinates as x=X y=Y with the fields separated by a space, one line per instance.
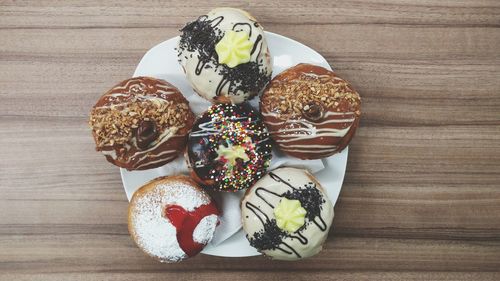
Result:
x=161 y=62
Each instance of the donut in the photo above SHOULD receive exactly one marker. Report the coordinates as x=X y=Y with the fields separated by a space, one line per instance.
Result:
x=172 y=218
x=311 y=113
x=286 y=215
x=228 y=148
x=141 y=123
x=225 y=56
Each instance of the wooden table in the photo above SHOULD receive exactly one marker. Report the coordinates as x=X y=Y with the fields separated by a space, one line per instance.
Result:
x=421 y=198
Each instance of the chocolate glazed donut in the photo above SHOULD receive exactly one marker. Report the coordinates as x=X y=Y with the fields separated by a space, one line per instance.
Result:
x=311 y=113
x=141 y=123
x=228 y=148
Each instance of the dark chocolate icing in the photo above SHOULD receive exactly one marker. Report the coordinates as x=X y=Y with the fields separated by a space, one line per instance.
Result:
x=226 y=127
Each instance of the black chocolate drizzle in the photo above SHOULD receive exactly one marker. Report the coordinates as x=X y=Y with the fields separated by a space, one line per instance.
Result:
x=255 y=45
x=243 y=24
x=202 y=35
x=271 y=237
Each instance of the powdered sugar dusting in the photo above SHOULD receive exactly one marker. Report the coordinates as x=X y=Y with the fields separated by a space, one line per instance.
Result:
x=178 y=193
x=204 y=231
x=155 y=234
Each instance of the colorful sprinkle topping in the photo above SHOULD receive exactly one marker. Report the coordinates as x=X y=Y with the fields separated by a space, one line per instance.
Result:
x=229 y=147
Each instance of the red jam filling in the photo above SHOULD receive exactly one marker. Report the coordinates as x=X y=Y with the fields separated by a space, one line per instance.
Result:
x=185 y=222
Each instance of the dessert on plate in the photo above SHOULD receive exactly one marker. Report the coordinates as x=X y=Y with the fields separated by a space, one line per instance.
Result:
x=172 y=218
x=287 y=215
x=141 y=123
x=307 y=111
x=225 y=56
x=310 y=112
x=228 y=148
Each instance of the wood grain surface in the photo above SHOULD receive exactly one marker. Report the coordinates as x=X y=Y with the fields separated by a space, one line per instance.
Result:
x=421 y=198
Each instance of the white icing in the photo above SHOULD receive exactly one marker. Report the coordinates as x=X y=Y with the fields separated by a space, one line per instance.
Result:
x=143 y=154
x=314 y=132
x=206 y=83
x=298 y=178
x=309 y=146
x=327 y=114
x=171 y=157
x=301 y=129
x=208 y=128
x=311 y=135
x=111 y=153
x=305 y=123
x=306 y=150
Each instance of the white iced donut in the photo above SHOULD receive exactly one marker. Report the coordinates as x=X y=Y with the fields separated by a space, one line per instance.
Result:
x=225 y=56
x=287 y=215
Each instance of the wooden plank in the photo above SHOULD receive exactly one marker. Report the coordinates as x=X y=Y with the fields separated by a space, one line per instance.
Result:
x=422 y=190
x=52 y=253
x=216 y=275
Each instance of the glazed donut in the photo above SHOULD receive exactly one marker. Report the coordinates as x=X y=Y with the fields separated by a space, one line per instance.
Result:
x=228 y=148
x=225 y=56
x=311 y=113
x=141 y=123
x=171 y=218
x=286 y=215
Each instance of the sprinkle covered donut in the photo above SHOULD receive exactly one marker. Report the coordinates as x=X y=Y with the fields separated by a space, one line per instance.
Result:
x=311 y=113
x=172 y=218
x=225 y=56
x=141 y=123
x=228 y=148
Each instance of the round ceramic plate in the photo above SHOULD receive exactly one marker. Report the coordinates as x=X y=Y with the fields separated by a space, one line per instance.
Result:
x=161 y=62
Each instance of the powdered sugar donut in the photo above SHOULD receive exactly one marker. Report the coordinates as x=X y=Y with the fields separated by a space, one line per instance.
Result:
x=171 y=218
x=225 y=56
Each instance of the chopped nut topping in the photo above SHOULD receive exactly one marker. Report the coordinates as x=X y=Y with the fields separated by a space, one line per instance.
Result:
x=115 y=124
x=295 y=96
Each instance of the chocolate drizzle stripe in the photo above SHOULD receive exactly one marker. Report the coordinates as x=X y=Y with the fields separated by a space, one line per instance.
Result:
x=200 y=66
x=219 y=19
x=278 y=179
x=302 y=239
x=221 y=86
x=292 y=249
x=255 y=44
x=267 y=191
x=244 y=24
x=254 y=210
x=323 y=227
